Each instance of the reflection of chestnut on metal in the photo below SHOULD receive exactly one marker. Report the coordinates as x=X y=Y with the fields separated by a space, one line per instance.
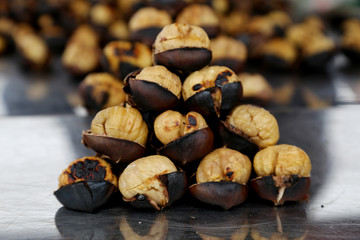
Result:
x=212 y=91
x=249 y=128
x=152 y=181
x=200 y=15
x=153 y=88
x=123 y=57
x=228 y=52
x=119 y=133
x=185 y=138
x=283 y=174
x=182 y=47
x=221 y=178
x=86 y=184
x=146 y=24
x=101 y=90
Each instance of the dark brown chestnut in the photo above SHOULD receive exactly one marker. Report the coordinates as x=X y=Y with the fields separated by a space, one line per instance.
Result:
x=153 y=89
x=221 y=178
x=228 y=52
x=283 y=174
x=101 y=90
x=146 y=24
x=185 y=139
x=212 y=91
x=249 y=128
x=119 y=133
x=123 y=57
x=152 y=181
x=200 y=15
x=86 y=184
x=182 y=47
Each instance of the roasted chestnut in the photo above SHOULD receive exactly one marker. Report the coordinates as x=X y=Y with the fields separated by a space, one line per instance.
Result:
x=249 y=128
x=101 y=90
x=221 y=178
x=212 y=91
x=101 y=16
x=234 y=23
x=146 y=24
x=279 y=53
x=228 y=52
x=280 y=20
x=256 y=89
x=173 y=7
x=117 y=132
x=185 y=139
x=283 y=174
x=182 y=47
x=200 y=15
x=123 y=57
x=350 y=40
x=118 y=30
x=86 y=184
x=152 y=181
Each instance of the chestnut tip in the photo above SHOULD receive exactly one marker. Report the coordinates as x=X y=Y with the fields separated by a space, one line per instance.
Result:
x=223 y=194
x=148 y=96
x=187 y=59
x=118 y=150
x=85 y=196
x=189 y=148
x=280 y=189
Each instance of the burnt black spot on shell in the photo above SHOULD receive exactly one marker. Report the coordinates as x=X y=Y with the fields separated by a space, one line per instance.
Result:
x=222 y=78
x=192 y=120
x=197 y=87
x=88 y=170
x=229 y=174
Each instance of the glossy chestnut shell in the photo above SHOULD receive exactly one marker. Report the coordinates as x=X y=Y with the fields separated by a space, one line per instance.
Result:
x=148 y=96
x=189 y=148
x=318 y=60
x=280 y=189
x=186 y=60
x=118 y=150
x=234 y=64
x=146 y=36
x=85 y=196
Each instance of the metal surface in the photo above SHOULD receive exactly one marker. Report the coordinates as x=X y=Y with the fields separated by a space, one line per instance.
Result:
x=36 y=149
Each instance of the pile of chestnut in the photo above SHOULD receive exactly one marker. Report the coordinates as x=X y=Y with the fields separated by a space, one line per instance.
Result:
x=180 y=126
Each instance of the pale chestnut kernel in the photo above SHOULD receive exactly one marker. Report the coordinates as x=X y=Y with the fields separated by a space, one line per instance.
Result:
x=120 y=122
x=206 y=78
x=258 y=125
x=224 y=165
x=282 y=160
x=33 y=47
x=81 y=57
x=85 y=35
x=255 y=85
x=318 y=44
x=160 y=75
x=149 y=17
x=279 y=18
x=102 y=14
x=179 y=35
x=171 y=125
x=142 y=177
x=90 y=168
x=198 y=15
x=226 y=47
x=281 y=48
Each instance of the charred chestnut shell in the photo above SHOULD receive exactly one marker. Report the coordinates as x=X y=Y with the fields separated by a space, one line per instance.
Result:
x=235 y=139
x=118 y=150
x=186 y=59
x=85 y=196
x=148 y=96
x=280 y=189
x=189 y=148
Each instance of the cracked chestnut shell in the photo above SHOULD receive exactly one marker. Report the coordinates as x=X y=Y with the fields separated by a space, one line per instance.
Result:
x=249 y=128
x=182 y=47
x=221 y=178
x=185 y=139
x=152 y=181
x=86 y=184
x=283 y=174
x=119 y=133
x=153 y=89
x=212 y=91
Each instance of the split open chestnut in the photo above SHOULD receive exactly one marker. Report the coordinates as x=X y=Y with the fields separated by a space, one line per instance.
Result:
x=185 y=139
x=221 y=178
x=279 y=53
x=212 y=91
x=257 y=89
x=119 y=133
x=283 y=174
x=152 y=182
x=101 y=90
x=182 y=47
x=249 y=128
x=153 y=89
x=86 y=184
